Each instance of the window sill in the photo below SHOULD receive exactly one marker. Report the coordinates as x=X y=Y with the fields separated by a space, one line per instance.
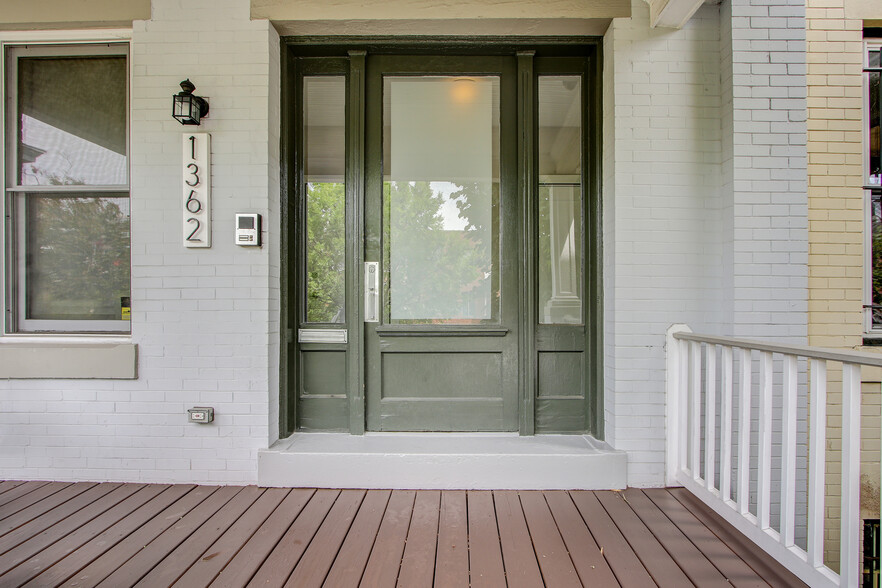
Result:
x=59 y=357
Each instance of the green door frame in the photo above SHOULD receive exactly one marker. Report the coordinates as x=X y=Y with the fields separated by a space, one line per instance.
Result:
x=534 y=57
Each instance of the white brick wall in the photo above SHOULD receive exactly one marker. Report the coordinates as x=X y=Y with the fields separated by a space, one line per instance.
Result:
x=205 y=320
x=768 y=201
x=705 y=204
x=661 y=212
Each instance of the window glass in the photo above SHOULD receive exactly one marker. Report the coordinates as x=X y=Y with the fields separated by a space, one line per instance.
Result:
x=876 y=259
x=78 y=257
x=560 y=200
x=875 y=114
x=324 y=129
x=440 y=198
x=72 y=121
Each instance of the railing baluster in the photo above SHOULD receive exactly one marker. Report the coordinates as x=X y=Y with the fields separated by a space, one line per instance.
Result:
x=726 y=424
x=744 y=390
x=764 y=475
x=683 y=433
x=850 y=516
x=695 y=407
x=710 y=415
x=788 y=452
x=817 y=464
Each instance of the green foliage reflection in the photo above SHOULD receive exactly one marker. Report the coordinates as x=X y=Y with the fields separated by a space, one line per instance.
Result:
x=440 y=269
x=325 y=252
x=78 y=260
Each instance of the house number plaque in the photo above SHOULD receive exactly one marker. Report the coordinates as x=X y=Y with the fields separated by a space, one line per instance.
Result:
x=196 y=205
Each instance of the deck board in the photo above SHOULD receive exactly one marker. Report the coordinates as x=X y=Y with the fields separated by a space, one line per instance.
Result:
x=384 y=563
x=485 y=557
x=15 y=514
x=43 y=531
x=153 y=553
x=313 y=567
x=418 y=564
x=205 y=569
x=246 y=562
x=551 y=552
x=80 y=536
x=35 y=502
x=452 y=559
x=97 y=546
x=723 y=558
x=23 y=489
x=274 y=571
x=518 y=556
x=614 y=547
x=350 y=562
x=592 y=568
x=121 y=535
x=185 y=555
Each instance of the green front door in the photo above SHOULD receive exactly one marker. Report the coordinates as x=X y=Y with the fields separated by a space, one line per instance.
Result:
x=441 y=309
x=443 y=238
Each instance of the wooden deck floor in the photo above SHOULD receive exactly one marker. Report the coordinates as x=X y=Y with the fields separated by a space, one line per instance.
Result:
x=116 y=535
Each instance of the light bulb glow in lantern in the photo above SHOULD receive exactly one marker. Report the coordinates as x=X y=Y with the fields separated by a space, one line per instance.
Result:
x=187 y=108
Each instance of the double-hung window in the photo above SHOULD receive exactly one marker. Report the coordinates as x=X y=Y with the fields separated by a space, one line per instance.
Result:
x=873 y=183
x=67 y=189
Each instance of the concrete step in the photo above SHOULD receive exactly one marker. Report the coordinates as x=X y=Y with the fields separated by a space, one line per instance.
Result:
x=442 y=461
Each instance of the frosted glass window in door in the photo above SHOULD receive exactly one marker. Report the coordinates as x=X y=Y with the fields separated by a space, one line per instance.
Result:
x=441 y=193
x=560 y=200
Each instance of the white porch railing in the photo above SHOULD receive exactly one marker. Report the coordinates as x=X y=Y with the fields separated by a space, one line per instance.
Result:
x=710 y=380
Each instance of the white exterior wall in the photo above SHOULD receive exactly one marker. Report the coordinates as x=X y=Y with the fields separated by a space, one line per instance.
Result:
x=705 y=206
x=206 y=321
x=661 y=206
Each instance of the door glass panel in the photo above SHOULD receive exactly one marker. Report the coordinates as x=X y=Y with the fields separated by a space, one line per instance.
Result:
x=324 y=130
x=441 y=199
x=560 y=200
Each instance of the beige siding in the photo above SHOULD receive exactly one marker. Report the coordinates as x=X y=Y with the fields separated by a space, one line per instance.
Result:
x=836 y=227
x=39 y=14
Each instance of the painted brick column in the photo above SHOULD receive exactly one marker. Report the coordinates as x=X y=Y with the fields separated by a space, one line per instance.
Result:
x=661 y=206
x=764 y=168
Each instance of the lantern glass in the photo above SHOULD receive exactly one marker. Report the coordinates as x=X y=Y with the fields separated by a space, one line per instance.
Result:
x=186 y=110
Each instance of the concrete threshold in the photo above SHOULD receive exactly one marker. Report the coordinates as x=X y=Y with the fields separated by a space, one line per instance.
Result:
x=489 y=461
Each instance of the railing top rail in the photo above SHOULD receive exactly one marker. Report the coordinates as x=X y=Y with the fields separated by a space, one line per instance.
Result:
x=844 y=356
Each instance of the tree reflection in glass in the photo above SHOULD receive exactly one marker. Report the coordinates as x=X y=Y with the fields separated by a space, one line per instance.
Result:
x=78 y=260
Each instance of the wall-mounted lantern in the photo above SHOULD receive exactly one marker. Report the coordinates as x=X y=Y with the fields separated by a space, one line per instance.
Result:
x=186 y=107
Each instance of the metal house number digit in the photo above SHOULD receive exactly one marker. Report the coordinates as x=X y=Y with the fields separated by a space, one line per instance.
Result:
x=197 y=190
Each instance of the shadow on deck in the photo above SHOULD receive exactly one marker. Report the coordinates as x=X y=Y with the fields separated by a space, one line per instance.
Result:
x=110 y=534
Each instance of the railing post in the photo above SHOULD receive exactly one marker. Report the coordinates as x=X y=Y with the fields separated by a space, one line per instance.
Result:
x=675 y=391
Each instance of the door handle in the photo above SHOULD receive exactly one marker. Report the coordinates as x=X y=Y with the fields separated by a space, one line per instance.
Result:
x=371 y=292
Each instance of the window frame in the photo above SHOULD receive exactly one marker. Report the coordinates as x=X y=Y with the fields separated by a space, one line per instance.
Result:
x=16 y=194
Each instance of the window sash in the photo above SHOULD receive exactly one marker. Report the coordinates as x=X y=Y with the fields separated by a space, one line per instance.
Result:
x=15 y=201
